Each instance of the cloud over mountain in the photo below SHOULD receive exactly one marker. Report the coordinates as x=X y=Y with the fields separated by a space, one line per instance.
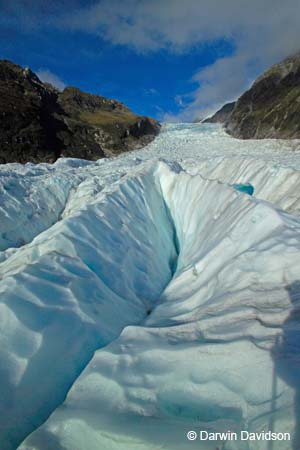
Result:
x=261 y=32
x=47 y=76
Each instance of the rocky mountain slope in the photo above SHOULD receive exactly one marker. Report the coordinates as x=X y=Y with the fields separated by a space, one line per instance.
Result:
x=40 y=124
x=222 y=115
x=271 y=107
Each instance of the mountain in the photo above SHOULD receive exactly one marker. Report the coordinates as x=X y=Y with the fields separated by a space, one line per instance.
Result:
x=40 y=124
x=222 y=115
x=271 y=107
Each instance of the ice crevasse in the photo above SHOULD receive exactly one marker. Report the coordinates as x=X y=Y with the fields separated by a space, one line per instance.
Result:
x=165 y=304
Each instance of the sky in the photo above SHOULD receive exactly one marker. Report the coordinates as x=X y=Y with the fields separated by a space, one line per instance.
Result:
x=174 y=60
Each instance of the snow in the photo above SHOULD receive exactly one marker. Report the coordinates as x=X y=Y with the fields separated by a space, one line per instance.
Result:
x=144 y=296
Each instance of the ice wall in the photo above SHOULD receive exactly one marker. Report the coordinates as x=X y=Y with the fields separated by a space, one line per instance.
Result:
x=277 y=184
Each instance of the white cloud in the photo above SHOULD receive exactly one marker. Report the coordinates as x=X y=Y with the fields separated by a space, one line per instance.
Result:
x=47 y=76
x=150 y=91
x=263 y=32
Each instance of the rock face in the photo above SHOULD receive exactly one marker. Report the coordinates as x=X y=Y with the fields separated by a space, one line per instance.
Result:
x=271 y=107
x=222 y=115
x=40 y=124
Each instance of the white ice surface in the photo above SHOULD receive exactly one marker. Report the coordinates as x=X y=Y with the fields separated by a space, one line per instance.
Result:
x=208 y=341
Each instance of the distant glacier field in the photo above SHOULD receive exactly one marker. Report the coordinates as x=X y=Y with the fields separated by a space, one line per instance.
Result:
x=143 y=297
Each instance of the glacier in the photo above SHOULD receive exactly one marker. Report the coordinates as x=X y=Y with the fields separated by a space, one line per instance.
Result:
x=144 y=296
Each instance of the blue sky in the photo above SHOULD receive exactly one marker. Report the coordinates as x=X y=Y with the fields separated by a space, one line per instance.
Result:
x=168 y=59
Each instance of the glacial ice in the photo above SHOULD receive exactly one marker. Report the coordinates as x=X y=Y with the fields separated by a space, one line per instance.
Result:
x=247 y=188
x=158 y=300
